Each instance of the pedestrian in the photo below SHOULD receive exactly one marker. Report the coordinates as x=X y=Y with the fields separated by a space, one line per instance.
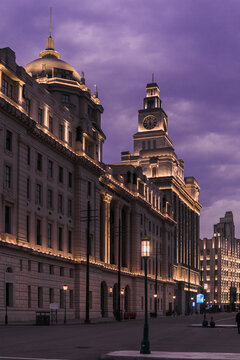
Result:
x=238 y=321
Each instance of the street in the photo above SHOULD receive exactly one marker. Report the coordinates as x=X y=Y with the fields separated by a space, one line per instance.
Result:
x=79 y=341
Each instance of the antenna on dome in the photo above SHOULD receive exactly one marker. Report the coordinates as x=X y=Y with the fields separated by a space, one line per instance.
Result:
x=152 y=77
x=50 y=30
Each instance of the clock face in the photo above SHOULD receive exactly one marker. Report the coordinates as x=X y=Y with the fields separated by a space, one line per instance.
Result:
x=149 y=122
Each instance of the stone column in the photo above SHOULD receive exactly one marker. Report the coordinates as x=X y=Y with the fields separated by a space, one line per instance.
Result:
x=106 y=203
x=116 y=229
x=20 y=93
x=128 y=237
x=0 y=80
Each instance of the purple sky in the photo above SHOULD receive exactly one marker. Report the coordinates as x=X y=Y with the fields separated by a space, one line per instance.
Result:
x=193 y=48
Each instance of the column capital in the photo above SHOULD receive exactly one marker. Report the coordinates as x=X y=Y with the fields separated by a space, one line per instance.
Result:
x=106 y=197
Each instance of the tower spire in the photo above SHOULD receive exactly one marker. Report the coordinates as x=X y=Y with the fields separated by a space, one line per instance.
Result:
x=50 y=29
x=152 y=77
x=49 y=51
x=50 y=41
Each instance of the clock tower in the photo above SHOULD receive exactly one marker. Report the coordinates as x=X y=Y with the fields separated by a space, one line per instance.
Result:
x=152 y=123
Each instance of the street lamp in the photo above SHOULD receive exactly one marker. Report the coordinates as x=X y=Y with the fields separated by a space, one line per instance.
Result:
x=145 y=254
x=65 y=288
x=122 y=294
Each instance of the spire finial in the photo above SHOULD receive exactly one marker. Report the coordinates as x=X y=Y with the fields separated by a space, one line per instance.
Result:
x=50 y=30
x=152 y=77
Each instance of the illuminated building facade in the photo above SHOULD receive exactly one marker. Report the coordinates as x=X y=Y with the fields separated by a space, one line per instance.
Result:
x=56 y=195
x=154 y=153
x=220 y=265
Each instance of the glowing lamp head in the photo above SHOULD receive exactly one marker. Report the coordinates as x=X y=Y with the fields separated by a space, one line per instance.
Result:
x=145 y=247
x=110 y=290
x=122 y=291
x=205 y=286
x=155 y=296
x=65 y=287
x=174 y=297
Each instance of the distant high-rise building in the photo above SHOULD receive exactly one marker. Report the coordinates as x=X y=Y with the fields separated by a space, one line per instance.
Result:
x=220 y=265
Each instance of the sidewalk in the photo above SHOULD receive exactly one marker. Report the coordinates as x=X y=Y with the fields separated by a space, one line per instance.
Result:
x=135 y=355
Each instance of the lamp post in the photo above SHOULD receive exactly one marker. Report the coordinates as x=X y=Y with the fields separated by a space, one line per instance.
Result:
x=65 y=288
x=174 y=303
x=87 y=320
x=122 y=294
x=145 y=254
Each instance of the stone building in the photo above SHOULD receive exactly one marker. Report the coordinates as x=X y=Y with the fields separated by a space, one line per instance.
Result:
x=57 y=197
x=220 y=265
x=154 y=153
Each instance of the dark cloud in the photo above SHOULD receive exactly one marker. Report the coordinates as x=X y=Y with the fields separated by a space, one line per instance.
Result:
x=193 y=47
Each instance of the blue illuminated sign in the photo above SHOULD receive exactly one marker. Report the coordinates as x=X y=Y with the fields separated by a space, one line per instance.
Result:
x=200 y=298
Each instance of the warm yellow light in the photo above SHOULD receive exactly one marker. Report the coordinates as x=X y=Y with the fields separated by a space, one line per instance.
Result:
x=110 y=290
x=155 y=296
x=145 y=247
x=205 y=286
x=65 y=287
x=174 y=297
x=122 y=291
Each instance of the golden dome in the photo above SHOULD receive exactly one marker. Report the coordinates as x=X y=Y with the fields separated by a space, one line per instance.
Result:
x=49 y=65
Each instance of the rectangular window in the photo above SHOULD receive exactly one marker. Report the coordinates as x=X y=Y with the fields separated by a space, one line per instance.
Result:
x=38 y=194
x=71 y=299
x=149 y=144
x=7 y=177
x=60 y=238
x=49 y=235
x=4 y=87
x=38 y=232
x=61 y=299
x=40 y=297
x=69 y=207
x=70 y=138
x=60 y=203
x=50 y=124
x=9 y=294
x=89 y=188
x=51 y=295
x=60 y=174
x=61 y=271
x=21 y=265
x=29 y=265
x=40 y=267
x=29 y=297
x=70 y=180
x=28 y=155
x=154 y=144
x=65 y=99
x=28 y=189
x=71 y=273
x=61 y=132
x=39 y=162
x=69 y=241
x=49 y=199
x=7 y=219
x=51 y=269
x=8 y=140
x=10 y=91
x=28 y=228
x=28 y=106
x=40 y=116
x=50 y=168
x=143 y=145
